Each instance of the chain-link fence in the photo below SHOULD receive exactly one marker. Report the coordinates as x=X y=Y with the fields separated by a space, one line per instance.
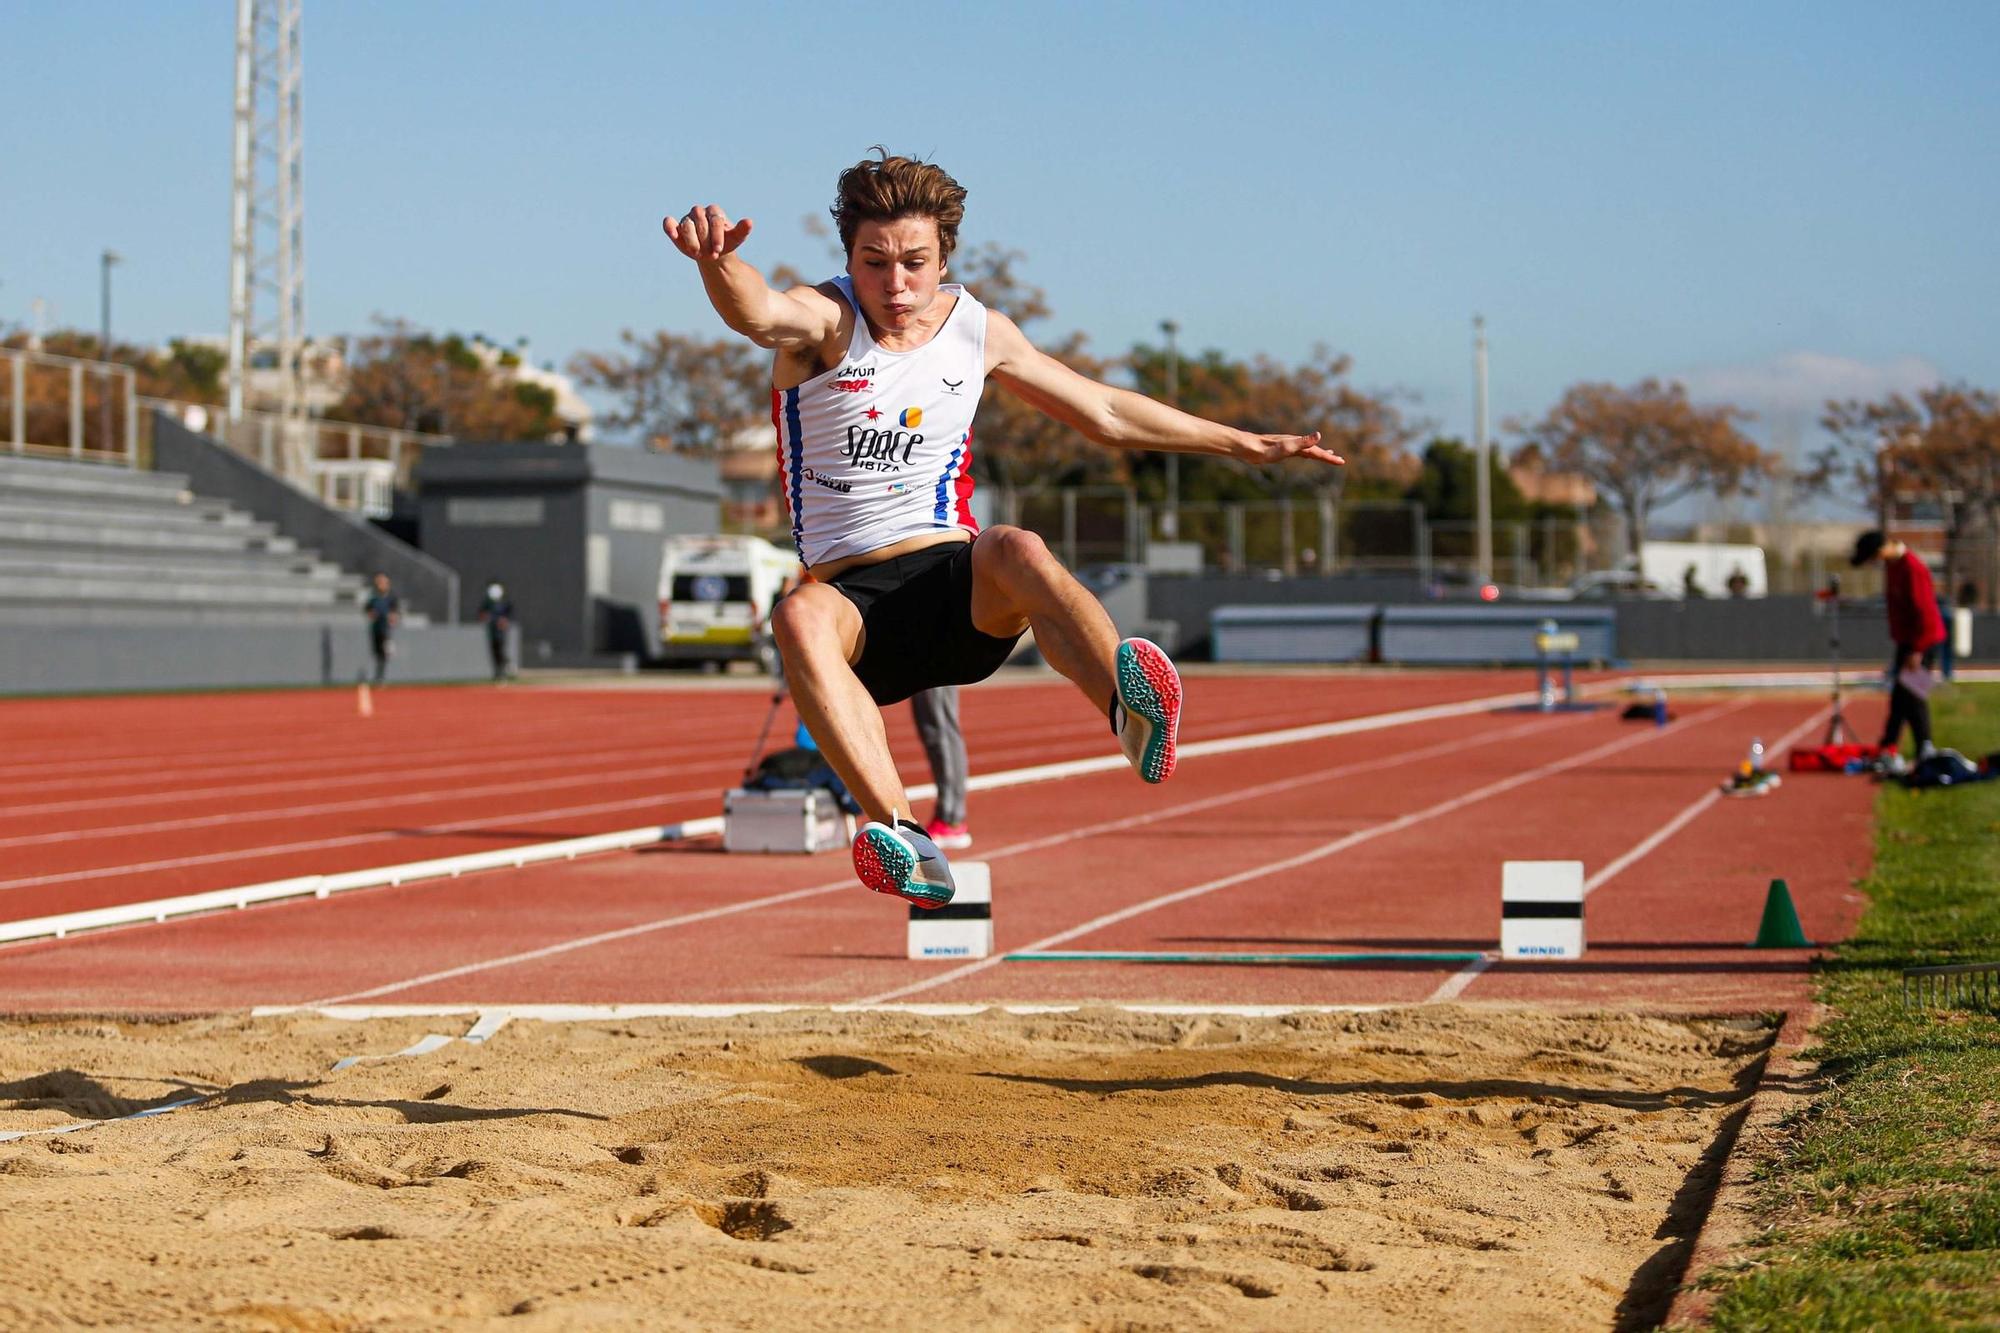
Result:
x=1292 y=535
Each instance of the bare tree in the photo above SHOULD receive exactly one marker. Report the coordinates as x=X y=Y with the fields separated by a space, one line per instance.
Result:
x=409 y=378
x=1942 y=446
x=1646 y=446
x=695 y=392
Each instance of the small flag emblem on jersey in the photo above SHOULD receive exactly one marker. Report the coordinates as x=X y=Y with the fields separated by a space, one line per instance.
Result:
x=910 y=418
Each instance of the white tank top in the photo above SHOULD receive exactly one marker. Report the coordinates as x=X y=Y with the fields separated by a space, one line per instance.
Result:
x=878 y=448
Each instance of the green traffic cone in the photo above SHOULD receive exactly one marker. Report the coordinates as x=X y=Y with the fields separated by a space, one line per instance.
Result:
x=1780 y=927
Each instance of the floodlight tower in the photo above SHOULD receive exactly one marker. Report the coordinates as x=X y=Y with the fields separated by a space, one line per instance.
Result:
x=267 y=218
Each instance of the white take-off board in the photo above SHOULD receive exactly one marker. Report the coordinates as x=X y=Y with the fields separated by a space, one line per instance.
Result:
x=1541 y=909
x=962 y=928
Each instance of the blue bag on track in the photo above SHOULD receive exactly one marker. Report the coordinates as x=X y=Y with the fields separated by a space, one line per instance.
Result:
x=1949 y=768
x=800 y=769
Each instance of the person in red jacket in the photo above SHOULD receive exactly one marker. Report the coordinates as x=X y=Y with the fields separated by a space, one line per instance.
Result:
x=1917 y=628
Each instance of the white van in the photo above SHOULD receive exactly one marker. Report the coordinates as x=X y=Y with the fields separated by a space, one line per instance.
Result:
x=1709 y=564
x=715 y=595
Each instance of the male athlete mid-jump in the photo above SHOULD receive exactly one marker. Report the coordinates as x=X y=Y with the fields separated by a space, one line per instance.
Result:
x=877 y=375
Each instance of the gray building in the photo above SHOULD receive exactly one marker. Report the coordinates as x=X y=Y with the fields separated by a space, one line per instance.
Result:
x=574 y=531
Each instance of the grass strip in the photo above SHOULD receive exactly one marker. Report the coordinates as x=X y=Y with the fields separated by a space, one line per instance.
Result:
x=1882 y=1209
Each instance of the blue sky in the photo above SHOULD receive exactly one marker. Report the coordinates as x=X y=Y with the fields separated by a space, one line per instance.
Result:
x=1773 y=201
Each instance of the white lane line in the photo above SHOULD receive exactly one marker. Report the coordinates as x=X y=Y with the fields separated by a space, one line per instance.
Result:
x=156 y=911
x=846 y=884
x=1257 y=741
x=123 y=767
x=321 y=844
x=159 y=910
x=983 y=782
x=1455 y=985
x=1319 y=853
x=392 y=801
x=379 y=777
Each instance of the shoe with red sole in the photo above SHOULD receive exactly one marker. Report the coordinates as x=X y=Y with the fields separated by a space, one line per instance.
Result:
x=951 y=837
x=904 y=861
x=1149 y=700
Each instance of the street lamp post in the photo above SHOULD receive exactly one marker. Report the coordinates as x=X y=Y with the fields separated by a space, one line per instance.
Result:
x=105 y=262
x=1170 y=522
x=1482 y=486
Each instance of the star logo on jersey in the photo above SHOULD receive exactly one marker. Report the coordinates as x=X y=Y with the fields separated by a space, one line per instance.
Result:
x=871 y=414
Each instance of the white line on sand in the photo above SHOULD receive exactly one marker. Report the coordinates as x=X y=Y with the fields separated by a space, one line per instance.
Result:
x=1455 y=985
x=1319 y=853
x=600 y=1013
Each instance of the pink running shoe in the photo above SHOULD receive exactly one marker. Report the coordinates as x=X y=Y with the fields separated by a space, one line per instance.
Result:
x=1149 y=698
x=951 y=837
x=904 y=861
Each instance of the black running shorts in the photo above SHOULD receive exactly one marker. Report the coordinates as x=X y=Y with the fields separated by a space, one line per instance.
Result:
x=916 y=610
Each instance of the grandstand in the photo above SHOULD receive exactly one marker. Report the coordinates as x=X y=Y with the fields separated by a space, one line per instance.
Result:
x=203 y=571
x=90 y=544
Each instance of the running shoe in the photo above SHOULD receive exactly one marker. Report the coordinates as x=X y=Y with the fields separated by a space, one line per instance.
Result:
x=904 y=861
x=951 y=837
x=1149 y=708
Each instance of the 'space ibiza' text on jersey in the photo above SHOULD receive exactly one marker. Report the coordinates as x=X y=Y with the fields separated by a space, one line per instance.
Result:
x=878 y=449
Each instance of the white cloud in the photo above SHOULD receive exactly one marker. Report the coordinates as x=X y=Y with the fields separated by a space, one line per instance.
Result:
x=1800 y=383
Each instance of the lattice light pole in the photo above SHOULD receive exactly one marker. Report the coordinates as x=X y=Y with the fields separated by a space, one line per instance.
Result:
x=267 y=267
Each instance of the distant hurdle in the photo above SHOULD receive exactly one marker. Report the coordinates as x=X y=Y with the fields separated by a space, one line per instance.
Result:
x=1556 y=648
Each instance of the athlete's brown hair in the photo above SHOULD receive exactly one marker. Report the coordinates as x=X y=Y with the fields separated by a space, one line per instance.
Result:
x=886 y=188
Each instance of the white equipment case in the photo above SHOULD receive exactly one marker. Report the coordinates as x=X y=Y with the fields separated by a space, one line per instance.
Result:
x=794 y=820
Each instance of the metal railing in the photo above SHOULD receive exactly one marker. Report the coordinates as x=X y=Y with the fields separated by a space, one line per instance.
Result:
x=49 y=409
x=348 y=465
x=1955 y=986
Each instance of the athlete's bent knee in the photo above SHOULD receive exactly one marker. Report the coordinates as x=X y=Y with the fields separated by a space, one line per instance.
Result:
x=1018 y=551
x=811 y=618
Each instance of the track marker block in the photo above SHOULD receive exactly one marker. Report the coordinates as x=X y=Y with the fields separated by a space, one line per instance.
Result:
x=963 y=927
x=1541 y=909
x=364 y=702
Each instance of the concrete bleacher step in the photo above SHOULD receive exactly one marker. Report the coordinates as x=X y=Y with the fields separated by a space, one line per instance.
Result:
x=43 y=532
x=235 y=560
x=126 y=514
x=123 y=614
x=85 y=544
x=22 y=590
x=96 y=565
x=38 y=476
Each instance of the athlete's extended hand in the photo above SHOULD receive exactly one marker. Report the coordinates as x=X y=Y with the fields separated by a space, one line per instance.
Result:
x=1277 y=448
x=705 y=233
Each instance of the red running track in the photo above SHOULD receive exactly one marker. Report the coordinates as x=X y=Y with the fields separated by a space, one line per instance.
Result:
x=108 y=801
x=1385 y=840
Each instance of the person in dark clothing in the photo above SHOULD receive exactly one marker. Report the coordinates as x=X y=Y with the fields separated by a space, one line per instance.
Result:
x=1917 y=628
x=384 y=611
x=497 y=614
x=935 y=711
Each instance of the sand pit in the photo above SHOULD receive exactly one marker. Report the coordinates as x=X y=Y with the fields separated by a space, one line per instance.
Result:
x=1430 y=1168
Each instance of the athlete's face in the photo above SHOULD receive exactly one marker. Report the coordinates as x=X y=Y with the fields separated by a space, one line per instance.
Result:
x=896 y=267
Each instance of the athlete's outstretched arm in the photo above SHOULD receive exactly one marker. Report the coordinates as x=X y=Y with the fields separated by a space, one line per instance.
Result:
x=797 y=318
x=1119 y=417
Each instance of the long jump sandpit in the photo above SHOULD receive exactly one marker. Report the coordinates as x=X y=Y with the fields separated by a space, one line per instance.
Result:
x=1440 y=1167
